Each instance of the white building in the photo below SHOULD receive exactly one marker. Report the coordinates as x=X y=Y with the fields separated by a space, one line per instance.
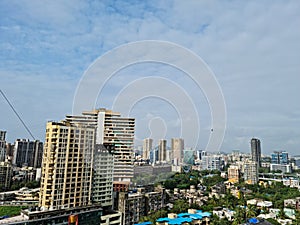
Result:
x=210 y=162
x=285 y=168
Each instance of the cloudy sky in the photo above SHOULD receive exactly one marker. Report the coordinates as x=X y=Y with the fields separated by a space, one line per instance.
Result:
x=252 y=48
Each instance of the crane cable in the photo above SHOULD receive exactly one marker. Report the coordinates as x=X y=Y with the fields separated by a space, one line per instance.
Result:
x=11 y=106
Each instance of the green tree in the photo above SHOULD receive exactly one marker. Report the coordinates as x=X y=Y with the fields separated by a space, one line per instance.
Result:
x=251 y=211
x=180 y=206
x=281 y=214
x=297 y=218
x=11 y=210
x=239 y=216
x=170 y=184
x=273 y=221
x=218 y=221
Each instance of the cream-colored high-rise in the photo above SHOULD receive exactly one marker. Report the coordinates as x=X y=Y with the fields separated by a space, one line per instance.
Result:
x=67 y=165
x=147 y=147
x=177 y=146
x=162 y=150
x=77 y=167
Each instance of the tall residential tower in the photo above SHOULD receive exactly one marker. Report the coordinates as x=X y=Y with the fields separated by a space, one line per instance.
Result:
x=256 y=151
x=162 y=150
x=112 y=129
x=67 y=165
x=83 y=155
x=177 y=146
x=29 y=153
x=147 y=147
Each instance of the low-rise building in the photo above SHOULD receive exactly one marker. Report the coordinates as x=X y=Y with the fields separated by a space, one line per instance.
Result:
x=192 y=195
x=26 y=194
x=291 y=182
x=195 y=217
x=223 y=213
x=138 y=203
x=292 y=203
x=285 y=168
x=111 y=218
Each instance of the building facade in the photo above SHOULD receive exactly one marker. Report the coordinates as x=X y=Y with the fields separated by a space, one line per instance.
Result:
x=103 y=177
x=250 y=172
x=27 y=153
x=210 y=162
x=83 y=155
x=162 y=150
x=6 y=173
x=147 y=147
x=189 y=156
x=67 y=169
x=177 y=146
x=2 y=146
x=115 y=130
x=256 y=151
x=233 y=174
x=281 y=157
x=132 y=207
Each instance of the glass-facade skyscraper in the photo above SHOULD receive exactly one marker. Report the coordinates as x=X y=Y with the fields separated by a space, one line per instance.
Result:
x=280 y=158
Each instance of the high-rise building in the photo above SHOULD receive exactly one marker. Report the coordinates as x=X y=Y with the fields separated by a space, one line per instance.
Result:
x=102 y=176
x=2 y=135
x=280 y=162
x=147 y=147
x=112 y=129
x=251 y=172
x=2 y=146
x=177 y=146
x=67 y=165
x=280 y=158
x=162 y=150
x=26 y=152
x=83 y=155
x=256 y=151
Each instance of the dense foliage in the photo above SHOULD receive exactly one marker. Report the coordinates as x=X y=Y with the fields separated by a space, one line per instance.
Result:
x=30 y=184
x=11 y=210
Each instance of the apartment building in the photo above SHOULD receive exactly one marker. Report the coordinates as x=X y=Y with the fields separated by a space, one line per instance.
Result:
x=115 y=130
x=67 y=169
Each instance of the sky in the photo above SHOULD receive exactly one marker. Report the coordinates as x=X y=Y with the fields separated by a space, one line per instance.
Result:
x=251 y=48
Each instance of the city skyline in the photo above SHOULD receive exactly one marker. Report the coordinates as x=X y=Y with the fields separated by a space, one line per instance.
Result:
x=251 y=47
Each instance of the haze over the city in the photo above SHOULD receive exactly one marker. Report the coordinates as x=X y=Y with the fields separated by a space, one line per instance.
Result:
x=251 y=47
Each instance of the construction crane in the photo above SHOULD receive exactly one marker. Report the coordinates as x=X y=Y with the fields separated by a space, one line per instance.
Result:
x=16 y=113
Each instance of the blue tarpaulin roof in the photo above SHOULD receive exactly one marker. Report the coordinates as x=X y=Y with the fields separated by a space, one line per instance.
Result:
x=253 y=220
x=143 y=223
x=185 y=217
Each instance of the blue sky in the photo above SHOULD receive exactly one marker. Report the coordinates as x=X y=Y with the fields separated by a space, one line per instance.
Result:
x=253 y=48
